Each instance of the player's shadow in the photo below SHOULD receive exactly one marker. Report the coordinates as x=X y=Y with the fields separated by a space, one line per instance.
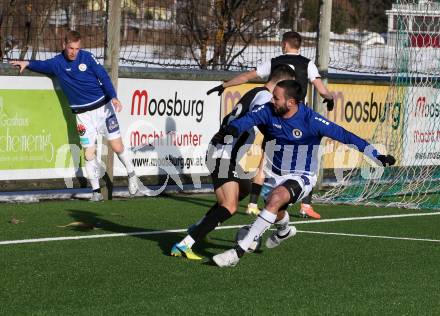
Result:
x=169 y=173
x=206 y=203
x=164 y=240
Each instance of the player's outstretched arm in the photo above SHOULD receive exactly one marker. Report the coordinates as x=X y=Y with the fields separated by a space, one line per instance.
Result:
x=241 y=78
x=237 y=80
x=322 y=126
x=20 y=63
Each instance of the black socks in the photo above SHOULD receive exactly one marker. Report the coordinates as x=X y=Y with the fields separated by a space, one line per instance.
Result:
x=255 y=192
x=215 y=216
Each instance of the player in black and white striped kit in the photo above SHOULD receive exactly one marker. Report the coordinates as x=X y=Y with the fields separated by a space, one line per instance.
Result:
x=305 y=71
x=231 y=183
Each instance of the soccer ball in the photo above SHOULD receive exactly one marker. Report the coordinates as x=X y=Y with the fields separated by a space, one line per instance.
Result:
x=241 y=233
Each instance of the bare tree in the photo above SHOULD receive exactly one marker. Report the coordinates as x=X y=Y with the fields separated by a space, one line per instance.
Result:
x=196 y=29
x=142 y=20
x=292 y=13
x=226 y=26
x=6 y=20
x=40 y=24
x=36 y=14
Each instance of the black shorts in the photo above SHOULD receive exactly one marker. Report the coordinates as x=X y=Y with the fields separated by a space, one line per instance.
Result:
x=225 y=170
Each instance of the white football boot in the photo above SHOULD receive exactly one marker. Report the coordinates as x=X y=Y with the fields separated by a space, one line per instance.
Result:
x=275 y=240
x=133 y=184
x=229 y=258
x=96 y=197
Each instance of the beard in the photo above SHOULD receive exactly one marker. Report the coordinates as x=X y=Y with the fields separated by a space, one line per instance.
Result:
x=281 y=111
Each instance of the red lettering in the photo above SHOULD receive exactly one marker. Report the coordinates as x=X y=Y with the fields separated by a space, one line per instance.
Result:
x=139 y=96
x=420 y=107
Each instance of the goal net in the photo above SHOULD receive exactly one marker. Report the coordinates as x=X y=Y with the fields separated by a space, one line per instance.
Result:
x=409 y=125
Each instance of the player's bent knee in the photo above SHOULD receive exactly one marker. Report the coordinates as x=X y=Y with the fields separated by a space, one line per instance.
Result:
x=276 y=200
x=117 y=145
x=294 y=189
x=118 y=149
x=90 y=153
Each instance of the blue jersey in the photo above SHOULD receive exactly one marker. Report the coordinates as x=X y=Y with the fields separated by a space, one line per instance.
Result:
x=298 y=137
x=84 y=80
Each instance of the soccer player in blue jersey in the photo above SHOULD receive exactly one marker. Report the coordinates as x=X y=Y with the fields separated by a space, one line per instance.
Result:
x=296 y=131
x=306 y=71
x=92 y=99
x=230 y=183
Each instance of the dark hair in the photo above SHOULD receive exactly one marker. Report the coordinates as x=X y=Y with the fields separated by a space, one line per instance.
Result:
x=281 y=72
x=294 y=39
x=72 y=37
x=292 y=89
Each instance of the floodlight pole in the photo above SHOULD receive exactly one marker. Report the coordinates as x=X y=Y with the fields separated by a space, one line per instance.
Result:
x=111 y=61
x=322 y=59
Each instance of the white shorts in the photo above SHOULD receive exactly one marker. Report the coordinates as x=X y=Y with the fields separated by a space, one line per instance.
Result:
x=99 y=121
x=307 y=182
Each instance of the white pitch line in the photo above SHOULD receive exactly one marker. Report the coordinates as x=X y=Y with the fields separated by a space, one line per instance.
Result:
x=158 y=232
x=367 y=236
x=28 y=241
x=346 y=219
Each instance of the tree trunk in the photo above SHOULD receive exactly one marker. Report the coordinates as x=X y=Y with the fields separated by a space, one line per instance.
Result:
x=6 y=20
x=72 y=16
x=27 y=32
x=141 y=24
x=40 y=25
x=220 y=32
x=296 y=9
x=203 y=54
x=125 y=24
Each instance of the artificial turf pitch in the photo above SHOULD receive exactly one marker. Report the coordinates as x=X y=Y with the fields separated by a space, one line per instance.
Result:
x=310 y=274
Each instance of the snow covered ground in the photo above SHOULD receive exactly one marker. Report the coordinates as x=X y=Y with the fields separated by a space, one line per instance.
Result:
x=344 y=57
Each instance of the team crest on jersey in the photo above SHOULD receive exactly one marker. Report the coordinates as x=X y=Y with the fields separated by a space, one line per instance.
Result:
x=82 y=67
x=81 y=129
x=297 y=133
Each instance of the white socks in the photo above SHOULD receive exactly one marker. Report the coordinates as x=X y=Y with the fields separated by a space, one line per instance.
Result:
x=93 y=168
x=283 y=225
x=126 y=161
x=187 y=241
x=264 y=220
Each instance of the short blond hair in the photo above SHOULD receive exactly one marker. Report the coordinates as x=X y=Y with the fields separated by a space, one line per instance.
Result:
x=72 y=37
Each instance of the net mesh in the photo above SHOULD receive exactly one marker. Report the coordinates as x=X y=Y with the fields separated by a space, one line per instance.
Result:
x=194 y=34
x=410 y=128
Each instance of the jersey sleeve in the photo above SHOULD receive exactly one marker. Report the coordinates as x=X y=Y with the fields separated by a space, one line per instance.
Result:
x=43 y=66
x=259 y=116
x=312 y=71
x=261 y=98
x=263 y=70
x=322 y=127
x=103 y=77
